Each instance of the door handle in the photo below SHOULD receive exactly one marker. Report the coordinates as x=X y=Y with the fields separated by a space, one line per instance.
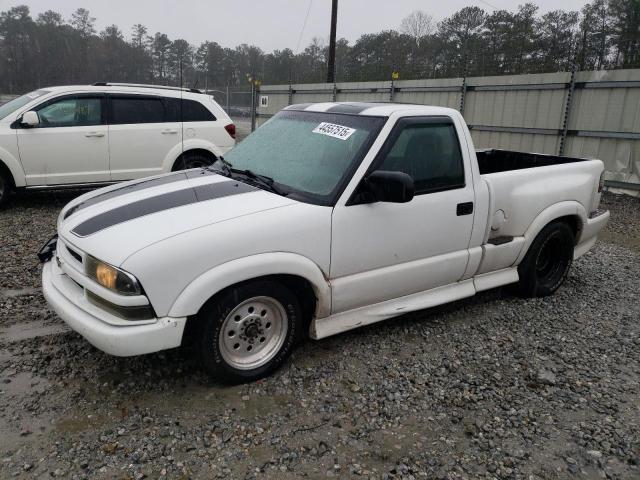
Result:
x=94 y=134
x=169 y=131
x=465 y=208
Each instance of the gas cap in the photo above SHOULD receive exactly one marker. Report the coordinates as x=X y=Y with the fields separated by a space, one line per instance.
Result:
x=498 y=220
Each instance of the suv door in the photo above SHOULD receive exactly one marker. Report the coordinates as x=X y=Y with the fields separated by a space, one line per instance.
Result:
x=381 y=251
x=71 y=143
x=140 y=135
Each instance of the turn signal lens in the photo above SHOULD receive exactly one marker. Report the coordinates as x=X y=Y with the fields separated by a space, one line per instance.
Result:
x=106 y=276
x=112 y=277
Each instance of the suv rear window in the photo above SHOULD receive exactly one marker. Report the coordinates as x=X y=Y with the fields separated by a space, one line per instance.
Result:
x=192 y=111
x=126 y=110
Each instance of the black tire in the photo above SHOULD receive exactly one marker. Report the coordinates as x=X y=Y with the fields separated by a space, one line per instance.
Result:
x=193 y=160
x=546 y=265
x=218 y=316
x=5 y=188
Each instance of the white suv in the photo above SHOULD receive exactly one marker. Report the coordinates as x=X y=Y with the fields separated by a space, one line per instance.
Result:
x=105 y=133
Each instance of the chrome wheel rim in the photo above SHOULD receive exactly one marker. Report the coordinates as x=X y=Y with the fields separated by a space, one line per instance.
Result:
x=253 y=333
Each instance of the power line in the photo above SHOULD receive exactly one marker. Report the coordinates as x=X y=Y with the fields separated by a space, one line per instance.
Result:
x=304 y=25
x=488 y=4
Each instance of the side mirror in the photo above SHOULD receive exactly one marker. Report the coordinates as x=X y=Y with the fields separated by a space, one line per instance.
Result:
x=30 y=119
x=387 y=186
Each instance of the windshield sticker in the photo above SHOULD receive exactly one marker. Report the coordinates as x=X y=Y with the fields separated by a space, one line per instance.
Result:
x=333 y=130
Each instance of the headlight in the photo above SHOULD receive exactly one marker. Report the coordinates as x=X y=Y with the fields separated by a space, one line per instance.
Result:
x=112 y=277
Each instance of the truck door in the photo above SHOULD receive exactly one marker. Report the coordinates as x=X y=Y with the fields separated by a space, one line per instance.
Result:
x=382 y=250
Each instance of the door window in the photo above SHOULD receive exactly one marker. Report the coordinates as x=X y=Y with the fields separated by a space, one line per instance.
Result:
x=430 y=154
x=71 y=112
x=127 y=110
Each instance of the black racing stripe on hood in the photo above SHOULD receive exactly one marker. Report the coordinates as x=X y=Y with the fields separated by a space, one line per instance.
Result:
x=135 y=187
x=159 y=203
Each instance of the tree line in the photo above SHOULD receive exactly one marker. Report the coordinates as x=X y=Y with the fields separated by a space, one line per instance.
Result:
x=51 y=50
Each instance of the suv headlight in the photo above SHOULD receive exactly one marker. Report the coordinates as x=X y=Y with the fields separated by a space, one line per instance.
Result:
x=112 y=277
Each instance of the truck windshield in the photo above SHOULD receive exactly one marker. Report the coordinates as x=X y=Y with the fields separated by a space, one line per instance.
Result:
x=312 y=155
x=16 y=103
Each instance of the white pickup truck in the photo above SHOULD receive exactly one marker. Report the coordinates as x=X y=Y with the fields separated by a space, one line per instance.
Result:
x=329 y=217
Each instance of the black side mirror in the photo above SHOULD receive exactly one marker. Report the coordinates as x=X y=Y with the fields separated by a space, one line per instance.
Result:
x=387 y=186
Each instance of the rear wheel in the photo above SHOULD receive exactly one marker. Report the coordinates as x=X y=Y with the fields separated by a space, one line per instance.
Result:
x=248 y=331
x=546 y=265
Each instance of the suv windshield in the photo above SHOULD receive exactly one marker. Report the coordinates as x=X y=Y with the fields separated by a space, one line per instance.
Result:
x=16 y=103
x=310 y=154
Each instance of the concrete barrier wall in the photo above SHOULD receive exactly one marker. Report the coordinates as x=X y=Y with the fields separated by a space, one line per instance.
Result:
x=587 y=114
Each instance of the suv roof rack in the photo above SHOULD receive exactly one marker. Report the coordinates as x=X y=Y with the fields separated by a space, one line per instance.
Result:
x=144 y=85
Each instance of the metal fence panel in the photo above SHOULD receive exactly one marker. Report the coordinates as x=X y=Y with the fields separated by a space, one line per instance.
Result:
x=312 y=92
x=439 y=92
x=525 y=109
x=515 y=141
x=360 y=91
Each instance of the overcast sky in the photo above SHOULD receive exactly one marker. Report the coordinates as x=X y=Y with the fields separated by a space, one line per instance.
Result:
x=270 y=24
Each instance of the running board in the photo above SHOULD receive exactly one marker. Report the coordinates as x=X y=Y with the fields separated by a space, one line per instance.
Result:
x=358 y=317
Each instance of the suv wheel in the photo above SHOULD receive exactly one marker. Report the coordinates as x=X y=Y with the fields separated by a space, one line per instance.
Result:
x=193 y=160
x=248 y=331
x=546 y=265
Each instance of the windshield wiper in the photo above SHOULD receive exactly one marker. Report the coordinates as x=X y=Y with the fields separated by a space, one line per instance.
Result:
x=265 y=181
x=226 y=167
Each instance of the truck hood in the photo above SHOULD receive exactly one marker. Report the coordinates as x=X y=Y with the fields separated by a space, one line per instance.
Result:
x=113 y=223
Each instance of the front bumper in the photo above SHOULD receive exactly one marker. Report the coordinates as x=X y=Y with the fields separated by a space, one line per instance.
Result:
x=590 y=229
x=136 y=338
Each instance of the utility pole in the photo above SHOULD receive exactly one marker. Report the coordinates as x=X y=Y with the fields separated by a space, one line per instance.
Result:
x=331 y=70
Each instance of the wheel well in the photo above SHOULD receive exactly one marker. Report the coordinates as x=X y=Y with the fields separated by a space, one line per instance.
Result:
x=574 y=223
x=303 y=290
x=4 y=170
x=300 y=287
x=188 y=153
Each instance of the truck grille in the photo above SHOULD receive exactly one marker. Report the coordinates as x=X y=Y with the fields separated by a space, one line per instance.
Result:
x=74 y=254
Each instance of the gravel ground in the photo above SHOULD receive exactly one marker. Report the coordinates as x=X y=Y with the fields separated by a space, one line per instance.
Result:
x=490 y=387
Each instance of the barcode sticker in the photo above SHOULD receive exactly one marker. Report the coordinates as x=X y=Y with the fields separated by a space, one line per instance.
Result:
x=333 y=130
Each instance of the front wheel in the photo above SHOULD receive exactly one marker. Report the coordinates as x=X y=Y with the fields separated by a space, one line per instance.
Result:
x=248 y=331
x=546 y=265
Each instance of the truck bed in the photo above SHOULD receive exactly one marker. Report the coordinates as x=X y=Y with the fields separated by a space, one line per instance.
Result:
x=494 y=161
